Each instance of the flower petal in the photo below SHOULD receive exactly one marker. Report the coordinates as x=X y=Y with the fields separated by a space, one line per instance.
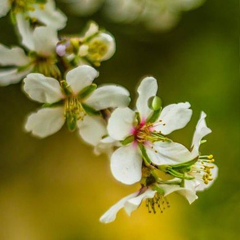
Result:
x=43 y=44
x=201 y=131
x=13 y=56
x=11 y=76
x=188 y=191
x=106 y=145
x=133 y=203
x=42 y=89
x=92 y=129
x=109 y=96
x=120 y=124
x=173 y=117
x=4 y=7
x=45 y=121
x=126 y=165
x=91 y=29
x=25 y=31
x=147 y=89
x=48 y=15
x=106 y=40
x=111 y=214
x=81 y=77
x=169 y=153
x=201 y=186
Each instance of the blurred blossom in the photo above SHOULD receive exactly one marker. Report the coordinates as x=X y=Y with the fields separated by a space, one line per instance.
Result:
x=84 y=7
x=155 y=15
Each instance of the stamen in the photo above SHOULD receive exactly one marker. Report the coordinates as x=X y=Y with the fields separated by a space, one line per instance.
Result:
x=158 y=200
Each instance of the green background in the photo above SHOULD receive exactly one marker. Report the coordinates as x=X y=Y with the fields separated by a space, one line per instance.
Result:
x=56 y=188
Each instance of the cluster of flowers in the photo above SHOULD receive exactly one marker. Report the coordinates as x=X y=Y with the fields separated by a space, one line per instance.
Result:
x=155 y=15
x=59 y=74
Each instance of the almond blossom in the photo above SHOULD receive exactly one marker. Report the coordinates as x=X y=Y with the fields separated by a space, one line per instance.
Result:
x=94 y=46
x=155 y=196
x=143 y=134
x=41 y=57
x=76 y=101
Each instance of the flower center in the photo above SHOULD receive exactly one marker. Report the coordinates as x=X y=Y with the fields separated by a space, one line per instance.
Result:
x=46 y=65
x=73 y=112
x=97 y=50
x=145 y=133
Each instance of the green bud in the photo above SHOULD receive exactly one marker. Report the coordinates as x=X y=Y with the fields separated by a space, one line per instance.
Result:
x=155 y=103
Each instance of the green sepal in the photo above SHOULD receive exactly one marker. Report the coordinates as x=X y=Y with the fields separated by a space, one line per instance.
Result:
x=87 y=91
x=179 y=174
x=145 y=157
x=13 y=17
x=128 y=140
x=51 y=105
x=155 y=115
x=159 y=190
x=138 y=118
x=185 y=165
x=71 y=122
x=90 y=111
x=66 y=88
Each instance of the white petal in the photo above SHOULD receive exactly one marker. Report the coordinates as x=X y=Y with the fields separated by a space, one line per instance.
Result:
x=109 y=96
x=81 y=77
x=49 y=15
x=25 y=31
x=168 y=153
x=11 y=76
x=91 y=30
x=201 y=131
x=45 y=121
x=106 y=145
x=111 y=214
x=106 y=40
x=202 y=186
x=173 y=117
x=42 y=89
x=43 y=44
x=13 y=56
x=92 y=129
x=4 y=7
x=126 y=165
x=147 y=89
x=188 y=191
x=133 y=203
x=120 y=124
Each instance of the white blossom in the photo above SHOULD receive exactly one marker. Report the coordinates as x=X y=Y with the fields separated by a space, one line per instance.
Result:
x=142 y=133
x=154 y=197
x=94 y=46
x=74 y=100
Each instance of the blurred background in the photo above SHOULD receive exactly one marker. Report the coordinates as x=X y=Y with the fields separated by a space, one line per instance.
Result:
x=57 y=189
